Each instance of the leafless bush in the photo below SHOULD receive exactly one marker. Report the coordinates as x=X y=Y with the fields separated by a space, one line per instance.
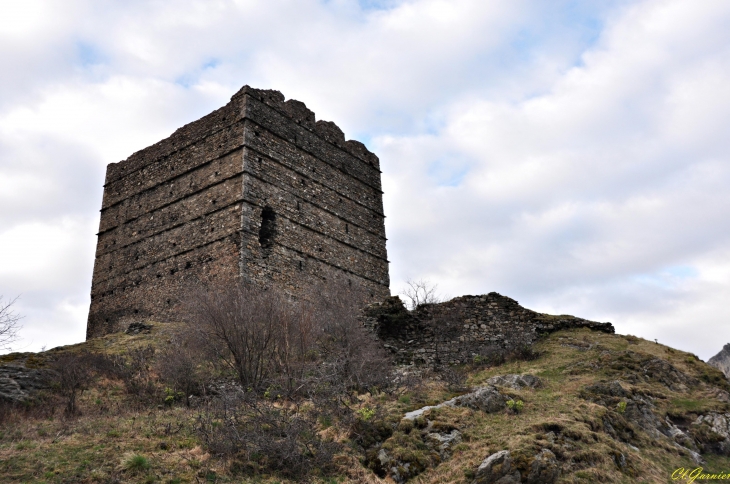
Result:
x=265 y=437
x=71 y=375
x=250 y=329
x=523 y=353
x=134 y=369
x=9 y=323
x=420 y=292
x=288 y=355
x=352 y=356
x=6 y=410
x=300 y=347
x=180 y=365
x=490 y=356
x=454 y=377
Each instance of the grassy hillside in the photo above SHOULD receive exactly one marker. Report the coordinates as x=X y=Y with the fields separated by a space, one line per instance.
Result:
x=605 y=408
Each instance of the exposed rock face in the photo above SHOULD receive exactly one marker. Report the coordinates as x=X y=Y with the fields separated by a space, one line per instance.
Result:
x=462 y=329
x=139 y=327
x=516 y=382
x=440 y=439
x=256 y=189
x=500 y=468
x=487 y=399
x=17 y=383
x=639 y=412
x=721 y=361
x=497 y=468
x=712 y=431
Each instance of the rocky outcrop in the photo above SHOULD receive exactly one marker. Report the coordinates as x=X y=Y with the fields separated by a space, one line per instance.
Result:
x=516 y=382
x=712 y=432
x=487 y=399
x=634 y=410
x=420 y=429
x=721 y=361
x=18 y=383
x=501 y=468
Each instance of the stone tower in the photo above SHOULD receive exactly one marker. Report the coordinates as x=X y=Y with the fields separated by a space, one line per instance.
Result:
x=256 y=189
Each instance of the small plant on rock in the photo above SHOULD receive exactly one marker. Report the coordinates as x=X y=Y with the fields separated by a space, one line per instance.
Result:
x=621 y=407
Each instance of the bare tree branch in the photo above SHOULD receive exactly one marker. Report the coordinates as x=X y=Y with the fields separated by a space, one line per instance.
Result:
x=9 y=323
x=420 y=292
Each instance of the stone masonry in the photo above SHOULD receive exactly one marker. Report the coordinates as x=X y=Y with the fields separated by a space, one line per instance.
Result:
x=465 y=327
x=256 y=189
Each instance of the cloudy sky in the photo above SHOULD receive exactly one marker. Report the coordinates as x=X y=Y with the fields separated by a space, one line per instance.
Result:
x=573 y=155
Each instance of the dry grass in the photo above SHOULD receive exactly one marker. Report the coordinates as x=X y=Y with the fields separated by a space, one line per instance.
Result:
x=96 y=447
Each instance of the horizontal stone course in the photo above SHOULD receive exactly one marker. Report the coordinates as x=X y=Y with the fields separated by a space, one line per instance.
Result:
x=311 y=169
x=172 y=191
x=301 y=188
x=210 y=124
x=170 y=167
x=183 y=211
x=143 y=293
x=312 y=217
x=182 y=238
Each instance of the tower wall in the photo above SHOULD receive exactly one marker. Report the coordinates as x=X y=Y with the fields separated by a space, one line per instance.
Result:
x=256 y=189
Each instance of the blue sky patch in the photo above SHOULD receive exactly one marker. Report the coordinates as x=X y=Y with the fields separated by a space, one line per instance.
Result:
x=378 y=4
x=192 y=77
x=669 y=277
x=682 y=272
x=448 y=171
x=88 y=54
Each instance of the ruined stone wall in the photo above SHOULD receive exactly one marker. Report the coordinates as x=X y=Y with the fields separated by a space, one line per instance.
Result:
x=255 y=189
x=462 y=328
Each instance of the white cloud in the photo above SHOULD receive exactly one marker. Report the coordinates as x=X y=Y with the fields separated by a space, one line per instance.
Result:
x=571 y=156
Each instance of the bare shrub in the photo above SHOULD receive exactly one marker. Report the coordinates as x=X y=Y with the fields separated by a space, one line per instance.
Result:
x=490 y=356
x=523 y=353
x=181 y=366
x=420 y=292
x=298 y=346
x=264 y=437
x=9 y=323
x=454 y=377
x=7 y=410
x=299 y=362
x=134 y=369
x=354 y=358
x=244 y=326
x=71 y=375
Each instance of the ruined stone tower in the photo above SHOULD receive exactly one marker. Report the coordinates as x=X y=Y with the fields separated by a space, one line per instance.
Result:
x=256 y=189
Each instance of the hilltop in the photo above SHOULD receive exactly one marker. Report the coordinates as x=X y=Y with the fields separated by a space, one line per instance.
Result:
x=594 y=407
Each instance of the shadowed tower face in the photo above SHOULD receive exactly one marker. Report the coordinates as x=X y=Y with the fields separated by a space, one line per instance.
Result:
x=256 y=189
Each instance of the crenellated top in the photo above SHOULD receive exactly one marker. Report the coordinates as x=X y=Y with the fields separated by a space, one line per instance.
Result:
x=303 y=116
x=227 y=116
